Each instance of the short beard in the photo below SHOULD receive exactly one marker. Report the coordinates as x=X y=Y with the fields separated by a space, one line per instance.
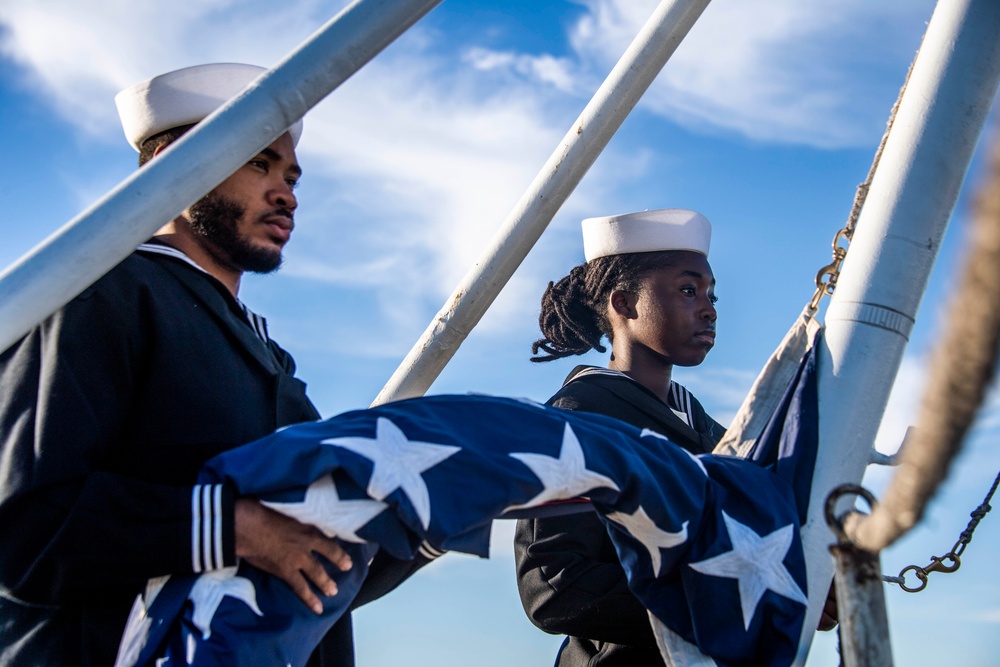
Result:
x=215 y=219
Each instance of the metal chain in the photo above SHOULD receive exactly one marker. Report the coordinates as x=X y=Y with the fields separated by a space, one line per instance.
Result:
x=953 y=557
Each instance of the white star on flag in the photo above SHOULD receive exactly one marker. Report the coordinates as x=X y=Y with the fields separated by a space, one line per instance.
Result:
x=697 y=462
x=211 y=587
x=679 y=650
x=648 y=432
x=644 y=529
x=323 y=508
x=529 y=402
x=563 y=477
x=399 y=463
x=755 y=562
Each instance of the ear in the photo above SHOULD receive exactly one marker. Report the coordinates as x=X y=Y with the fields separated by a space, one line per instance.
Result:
x=159 y=149
x=623 y=304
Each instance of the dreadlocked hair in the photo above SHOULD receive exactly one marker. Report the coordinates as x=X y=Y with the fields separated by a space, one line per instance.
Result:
x=574 y=314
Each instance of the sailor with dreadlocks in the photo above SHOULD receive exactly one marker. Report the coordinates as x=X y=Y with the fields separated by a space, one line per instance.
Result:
x=648 y=287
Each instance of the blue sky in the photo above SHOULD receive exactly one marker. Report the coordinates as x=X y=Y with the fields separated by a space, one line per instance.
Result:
x=765 y=120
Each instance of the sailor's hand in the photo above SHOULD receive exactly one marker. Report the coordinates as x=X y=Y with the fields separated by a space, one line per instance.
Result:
x=282 y=546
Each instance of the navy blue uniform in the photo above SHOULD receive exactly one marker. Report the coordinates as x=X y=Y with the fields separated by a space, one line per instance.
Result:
x=568 y=573
x=107 y=411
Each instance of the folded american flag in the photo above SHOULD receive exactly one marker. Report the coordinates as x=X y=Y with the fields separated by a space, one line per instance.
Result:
x=710 y=543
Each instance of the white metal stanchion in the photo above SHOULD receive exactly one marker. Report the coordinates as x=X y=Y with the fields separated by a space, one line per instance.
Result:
x=873 y=309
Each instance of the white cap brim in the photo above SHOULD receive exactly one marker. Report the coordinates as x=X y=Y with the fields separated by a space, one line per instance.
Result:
x=646 y=231
x=183 y=97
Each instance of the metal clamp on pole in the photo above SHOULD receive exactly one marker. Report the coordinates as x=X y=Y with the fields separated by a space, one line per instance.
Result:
x=826 y=285
x=864 y=625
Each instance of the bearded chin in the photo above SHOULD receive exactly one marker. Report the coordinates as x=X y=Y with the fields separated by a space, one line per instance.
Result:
x=216 y=220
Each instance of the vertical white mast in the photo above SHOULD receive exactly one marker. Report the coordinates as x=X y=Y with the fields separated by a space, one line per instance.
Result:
x=869 y=319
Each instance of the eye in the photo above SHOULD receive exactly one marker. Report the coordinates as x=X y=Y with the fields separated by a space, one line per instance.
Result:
x=293 y=183
x=259 y=163
x=713 y=299
x=689 y=290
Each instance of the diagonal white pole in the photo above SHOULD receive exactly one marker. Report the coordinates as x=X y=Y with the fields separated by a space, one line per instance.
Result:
x=875 y=304
x=88 y=246
x=557 y=179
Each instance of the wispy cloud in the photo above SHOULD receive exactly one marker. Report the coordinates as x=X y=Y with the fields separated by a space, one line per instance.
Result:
x=80 y=54
x=546 y=69
x=986 y=616
x=903 y=407
x=410 y=161
x=774 y=71
x=797 y=77
x=416 y=160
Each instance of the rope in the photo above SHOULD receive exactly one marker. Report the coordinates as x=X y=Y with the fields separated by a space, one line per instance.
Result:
x=962 y=369
x=862 y=192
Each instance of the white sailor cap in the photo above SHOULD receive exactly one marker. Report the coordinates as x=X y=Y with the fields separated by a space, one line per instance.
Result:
x=183 y=97
x=646 y=231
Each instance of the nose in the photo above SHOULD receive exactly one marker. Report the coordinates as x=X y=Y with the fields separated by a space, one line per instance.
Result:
x=282 y=196
x=709 y=313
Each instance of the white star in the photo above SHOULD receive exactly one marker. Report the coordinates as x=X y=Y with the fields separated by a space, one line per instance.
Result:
x=323 y=508
x=678 y=650
x=655 y=434
x=398 y=463
x=563 y=477
x=519 y=399
x=211 y=587
x=755 y=562
x=529 y=402
x=697 y=462
x=648 y=432
x=642 y=528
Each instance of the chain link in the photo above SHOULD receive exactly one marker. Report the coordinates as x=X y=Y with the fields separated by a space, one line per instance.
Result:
x=938 y=563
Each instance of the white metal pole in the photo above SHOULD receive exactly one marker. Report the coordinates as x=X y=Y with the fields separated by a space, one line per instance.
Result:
x=898 y=235
x=92 y=243
x=557 y=179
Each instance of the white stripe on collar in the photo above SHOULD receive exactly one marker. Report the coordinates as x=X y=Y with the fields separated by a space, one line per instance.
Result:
x=257 y=323
x=597 y=370
x=169 y=251
x=678 y=398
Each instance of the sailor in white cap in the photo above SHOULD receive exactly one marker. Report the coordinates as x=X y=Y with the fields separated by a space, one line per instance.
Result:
x=647 y=286
x=245 y=222
x=110 y=407
x=182 y=98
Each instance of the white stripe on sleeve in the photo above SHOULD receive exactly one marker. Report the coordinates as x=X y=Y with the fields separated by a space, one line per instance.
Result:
x=217 y=562
x=206 y=528
x=195 y=530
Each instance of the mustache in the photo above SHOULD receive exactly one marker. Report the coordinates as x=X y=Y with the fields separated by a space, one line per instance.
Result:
x=271 y=216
